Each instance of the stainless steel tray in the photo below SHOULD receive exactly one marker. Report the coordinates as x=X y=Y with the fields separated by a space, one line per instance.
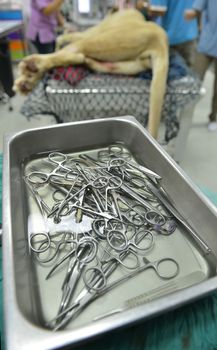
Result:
x=26 y=300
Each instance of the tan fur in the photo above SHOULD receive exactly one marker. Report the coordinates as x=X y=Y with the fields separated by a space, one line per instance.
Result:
x=122 y=43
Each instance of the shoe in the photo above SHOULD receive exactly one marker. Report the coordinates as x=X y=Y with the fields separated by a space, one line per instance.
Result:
x=212 y=126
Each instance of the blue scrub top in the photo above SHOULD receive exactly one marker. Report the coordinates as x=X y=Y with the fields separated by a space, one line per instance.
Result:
x=208 y=36
x=178 y=29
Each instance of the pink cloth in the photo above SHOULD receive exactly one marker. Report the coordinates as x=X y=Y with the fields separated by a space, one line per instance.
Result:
x=73 y=75
x=41 y=25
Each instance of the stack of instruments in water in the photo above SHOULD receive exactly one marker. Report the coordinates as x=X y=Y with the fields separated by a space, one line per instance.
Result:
x=102 y=212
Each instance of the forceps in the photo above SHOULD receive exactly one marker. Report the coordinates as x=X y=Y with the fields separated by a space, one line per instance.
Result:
x=86 y=296
x=120 y=162
x=138 y=198
x=139 y=184
x=114 y=151
x=60 y=206
x=42 y=242
x=43 y=207
x=130 y=192
x=102 y=214
x=111 y=254
x=95 y=284
x=85 y=252
x=113 y=183
x=165 y=268
x=98 y=183
x=129 y=212
x=160 y=193
x=102 y=166
x=120 y=242
x=50 y=244
x=100 y=226
x=160 y=267
x=68 y=255
x=62 y=171
x=161 y=224
x=153 y=216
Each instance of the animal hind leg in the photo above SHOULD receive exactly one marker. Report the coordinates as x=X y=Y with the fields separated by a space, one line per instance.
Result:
x=67 y=38
x=109 y=21
x=124 y=67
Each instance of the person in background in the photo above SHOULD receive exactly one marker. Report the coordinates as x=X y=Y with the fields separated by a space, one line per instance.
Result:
x=44 y=19
x=182 y=34
x=206 y=13
x=143 y=7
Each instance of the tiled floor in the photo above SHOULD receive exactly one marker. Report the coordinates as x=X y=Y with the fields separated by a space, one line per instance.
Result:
x=200 y=155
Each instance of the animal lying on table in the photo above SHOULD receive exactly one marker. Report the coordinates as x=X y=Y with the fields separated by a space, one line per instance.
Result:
x=123 y=43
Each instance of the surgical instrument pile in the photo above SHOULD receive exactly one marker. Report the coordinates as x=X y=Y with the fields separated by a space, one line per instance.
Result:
x=102 y=214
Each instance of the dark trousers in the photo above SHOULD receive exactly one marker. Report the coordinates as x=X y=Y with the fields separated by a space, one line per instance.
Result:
x=202 y=64
x=44 y=48
x=6 y=72
x=187 y=50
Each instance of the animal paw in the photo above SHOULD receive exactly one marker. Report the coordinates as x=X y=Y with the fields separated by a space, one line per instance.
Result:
x=31 y=69
x=33 y=64
x=25 y=83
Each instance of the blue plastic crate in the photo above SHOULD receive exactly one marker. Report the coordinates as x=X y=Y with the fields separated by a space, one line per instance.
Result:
x=6 y=15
